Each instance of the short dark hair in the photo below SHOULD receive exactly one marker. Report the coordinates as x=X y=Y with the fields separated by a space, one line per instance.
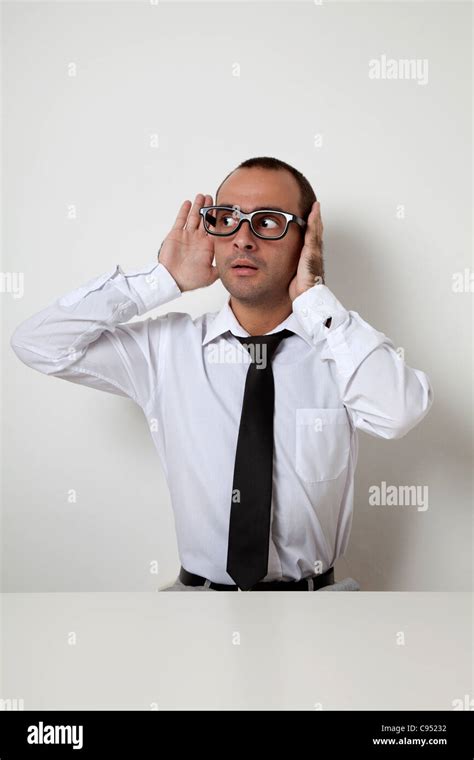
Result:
x=307 y=194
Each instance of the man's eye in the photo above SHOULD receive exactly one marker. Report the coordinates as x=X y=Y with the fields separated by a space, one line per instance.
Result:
x=267 y=222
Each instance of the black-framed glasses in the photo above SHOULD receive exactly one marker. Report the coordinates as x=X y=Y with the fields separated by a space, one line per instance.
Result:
x=264 y=223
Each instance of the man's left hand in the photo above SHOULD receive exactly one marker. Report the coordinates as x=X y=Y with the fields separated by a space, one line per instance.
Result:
x=310 y=266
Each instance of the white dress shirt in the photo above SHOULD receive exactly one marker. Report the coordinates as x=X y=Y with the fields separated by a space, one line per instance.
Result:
x=188 y=376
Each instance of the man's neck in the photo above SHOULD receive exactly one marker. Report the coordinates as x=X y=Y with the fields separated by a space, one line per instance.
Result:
x=259 y=319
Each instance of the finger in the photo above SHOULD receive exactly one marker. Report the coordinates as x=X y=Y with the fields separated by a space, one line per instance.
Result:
x=317 y=221
x=194 y=216
x=183 y=212
x=310 y=223
x=316 y=211
x=313 y=214
x=314 y=235
x=207 y=202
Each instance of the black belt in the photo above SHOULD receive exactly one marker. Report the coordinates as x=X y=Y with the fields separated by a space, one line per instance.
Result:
x=312 y=583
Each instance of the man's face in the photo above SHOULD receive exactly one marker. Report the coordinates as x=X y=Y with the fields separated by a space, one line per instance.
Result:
x=276 y=260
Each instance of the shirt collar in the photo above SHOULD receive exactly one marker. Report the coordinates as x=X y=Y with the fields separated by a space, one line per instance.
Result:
x=226 y=320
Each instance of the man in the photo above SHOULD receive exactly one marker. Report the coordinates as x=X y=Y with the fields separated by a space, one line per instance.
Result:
x=254 y=410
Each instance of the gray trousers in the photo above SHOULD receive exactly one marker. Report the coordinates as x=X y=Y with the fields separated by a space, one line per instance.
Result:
x=348 y=584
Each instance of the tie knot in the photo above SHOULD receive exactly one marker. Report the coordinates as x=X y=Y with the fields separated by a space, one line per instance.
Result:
x=271 y=342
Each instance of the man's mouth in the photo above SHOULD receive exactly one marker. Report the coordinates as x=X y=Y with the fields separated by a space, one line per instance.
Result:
x=244 y=266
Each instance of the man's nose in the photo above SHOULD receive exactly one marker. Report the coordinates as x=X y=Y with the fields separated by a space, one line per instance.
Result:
x=244 y=237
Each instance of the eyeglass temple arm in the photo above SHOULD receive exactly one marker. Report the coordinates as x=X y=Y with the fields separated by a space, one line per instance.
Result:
x=210 y=220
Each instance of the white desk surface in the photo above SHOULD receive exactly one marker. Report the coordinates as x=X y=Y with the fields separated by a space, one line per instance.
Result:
x=222 y=650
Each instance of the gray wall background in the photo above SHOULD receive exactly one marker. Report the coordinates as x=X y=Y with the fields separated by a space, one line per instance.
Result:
x=84 y=141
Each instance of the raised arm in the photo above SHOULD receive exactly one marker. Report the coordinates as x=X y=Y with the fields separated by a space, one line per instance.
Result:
x=383 y=395
x=81 y=337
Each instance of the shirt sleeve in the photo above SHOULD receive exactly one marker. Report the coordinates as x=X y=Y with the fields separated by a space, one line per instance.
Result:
x=383 y=396
x=81 y=337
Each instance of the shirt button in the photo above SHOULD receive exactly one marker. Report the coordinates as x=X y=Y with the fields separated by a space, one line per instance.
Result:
x=151 y=280
x=304 y=312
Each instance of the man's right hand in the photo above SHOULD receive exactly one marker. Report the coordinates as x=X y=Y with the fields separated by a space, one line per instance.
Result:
x=187 y=251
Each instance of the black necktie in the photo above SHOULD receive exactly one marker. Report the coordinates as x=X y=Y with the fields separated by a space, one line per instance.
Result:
x=249 y=528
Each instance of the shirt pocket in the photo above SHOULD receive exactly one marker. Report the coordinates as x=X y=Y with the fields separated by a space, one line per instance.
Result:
x=322 y=443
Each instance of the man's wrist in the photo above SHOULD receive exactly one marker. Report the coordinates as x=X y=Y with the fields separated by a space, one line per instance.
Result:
x=148 y=286
x=300 y=289
x=317 y=305
x=174 y=276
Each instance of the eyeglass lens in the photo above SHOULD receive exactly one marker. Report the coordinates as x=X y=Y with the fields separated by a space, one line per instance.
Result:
x=269 y=224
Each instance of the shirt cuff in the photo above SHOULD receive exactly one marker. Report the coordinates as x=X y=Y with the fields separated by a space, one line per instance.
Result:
x=146 y=287
x=149 y=286
x=316 y=306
